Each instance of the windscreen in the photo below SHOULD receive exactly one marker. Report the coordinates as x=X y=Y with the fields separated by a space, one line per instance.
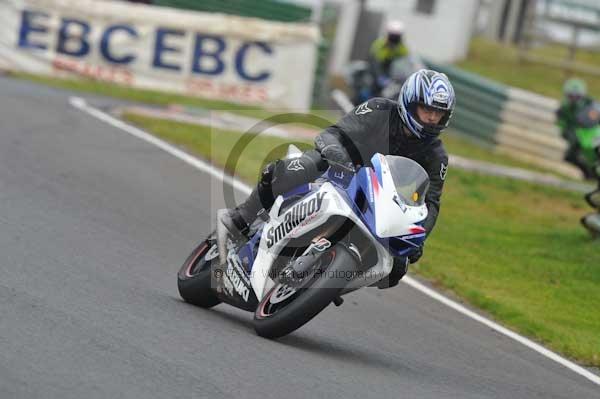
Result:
x=410 y=179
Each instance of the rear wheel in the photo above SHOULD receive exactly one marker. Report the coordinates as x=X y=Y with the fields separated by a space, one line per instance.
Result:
x=194 y=277
x=287 y=307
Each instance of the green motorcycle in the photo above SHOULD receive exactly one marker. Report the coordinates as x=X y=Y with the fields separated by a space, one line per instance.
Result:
x=591 y=221
x=587 y=133
x=588 y=136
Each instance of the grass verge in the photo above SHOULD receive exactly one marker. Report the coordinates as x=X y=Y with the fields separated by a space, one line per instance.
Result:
x=511 y=248
x=461 y=145
x=217 y=144
x=500 y=62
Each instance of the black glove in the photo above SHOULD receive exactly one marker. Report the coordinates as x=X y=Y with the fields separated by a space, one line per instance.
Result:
x=335 y=153
x=332 y=150
x=399 y=269
x=416 y=255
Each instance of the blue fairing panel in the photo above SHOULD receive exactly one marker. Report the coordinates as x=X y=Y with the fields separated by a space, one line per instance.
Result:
x=300 y=190
x=248 y=252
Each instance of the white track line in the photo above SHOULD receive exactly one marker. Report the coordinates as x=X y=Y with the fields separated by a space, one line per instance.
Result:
x=81 y=104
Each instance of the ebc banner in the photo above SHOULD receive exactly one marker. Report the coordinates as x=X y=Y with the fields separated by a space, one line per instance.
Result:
x=216 y=56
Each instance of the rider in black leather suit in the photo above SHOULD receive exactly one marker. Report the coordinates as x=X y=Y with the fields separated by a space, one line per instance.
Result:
x=408 y=128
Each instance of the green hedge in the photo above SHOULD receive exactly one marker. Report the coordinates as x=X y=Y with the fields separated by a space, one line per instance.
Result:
x=265 y=9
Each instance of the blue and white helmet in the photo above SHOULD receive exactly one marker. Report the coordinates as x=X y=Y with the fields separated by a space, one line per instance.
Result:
x=431 y=89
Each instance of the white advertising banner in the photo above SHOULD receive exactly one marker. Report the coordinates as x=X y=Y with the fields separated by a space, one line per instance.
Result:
x=216 y=56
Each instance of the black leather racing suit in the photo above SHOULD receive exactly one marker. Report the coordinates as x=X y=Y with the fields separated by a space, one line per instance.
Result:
x=376 y=127
x=372 y=127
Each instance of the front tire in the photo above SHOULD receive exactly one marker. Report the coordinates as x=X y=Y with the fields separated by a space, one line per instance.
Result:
x=194 y=278
x=275 y=318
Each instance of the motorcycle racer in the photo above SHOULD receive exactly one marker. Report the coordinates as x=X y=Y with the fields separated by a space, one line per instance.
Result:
x=384 y=51
x=575 y=99
x=409 y=127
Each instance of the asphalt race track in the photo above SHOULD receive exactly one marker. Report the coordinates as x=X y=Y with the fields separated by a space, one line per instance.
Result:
x=94 y=225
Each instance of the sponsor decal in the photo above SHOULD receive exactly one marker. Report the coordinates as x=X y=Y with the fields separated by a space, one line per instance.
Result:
x=443 y=171
x=211 y=55
x=208 y=87
x=113 y=74
x=294 y=218
x=410 y=237
x=441 y=97
x=400 y=204
x=363 y=109
x=322 y=244
x=369 y=184
x=295 y=166
x=235 y=279
x=212 y=253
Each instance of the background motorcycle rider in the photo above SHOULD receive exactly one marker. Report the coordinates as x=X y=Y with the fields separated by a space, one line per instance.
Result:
x=575 y=99
x=384 y=51
x=409 y=128
x=591 y=221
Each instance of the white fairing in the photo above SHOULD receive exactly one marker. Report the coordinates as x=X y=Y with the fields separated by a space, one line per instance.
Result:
x=393 y=218
x=293 y=152
x=331 y=204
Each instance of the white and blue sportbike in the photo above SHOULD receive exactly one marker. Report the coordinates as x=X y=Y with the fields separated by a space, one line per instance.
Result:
x=317 y=243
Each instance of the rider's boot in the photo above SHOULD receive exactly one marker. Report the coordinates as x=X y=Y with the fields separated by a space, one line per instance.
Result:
x=276 y=178
x=399 y=269
x=236 y=222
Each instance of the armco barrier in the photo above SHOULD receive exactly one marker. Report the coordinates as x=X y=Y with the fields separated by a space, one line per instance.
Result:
x=511 y=120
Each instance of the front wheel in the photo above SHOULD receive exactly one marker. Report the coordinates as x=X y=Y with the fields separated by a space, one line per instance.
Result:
x=194 y=277
x=286 y=308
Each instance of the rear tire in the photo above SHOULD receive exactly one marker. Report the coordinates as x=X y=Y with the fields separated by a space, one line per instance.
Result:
x=195 y=277
x=307 y=302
